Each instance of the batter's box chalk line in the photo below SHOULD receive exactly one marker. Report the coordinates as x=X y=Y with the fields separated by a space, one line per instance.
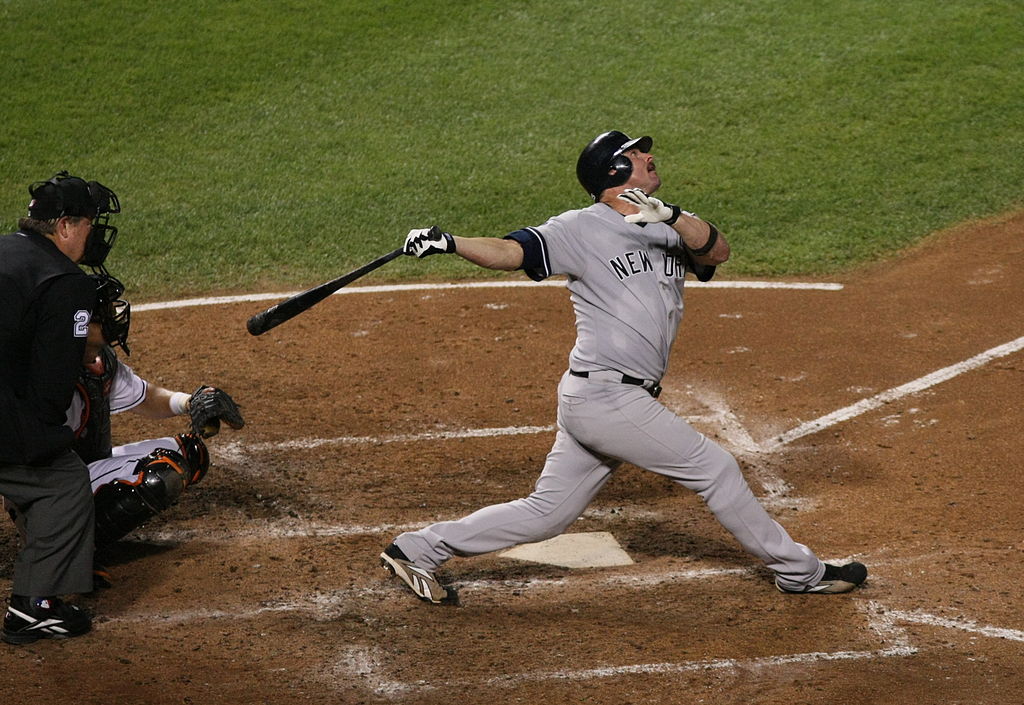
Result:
x=369 y=663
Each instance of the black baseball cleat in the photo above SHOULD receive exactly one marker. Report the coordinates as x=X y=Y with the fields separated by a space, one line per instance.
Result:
x=420 y=581
x=837 y=578
x=29 y=619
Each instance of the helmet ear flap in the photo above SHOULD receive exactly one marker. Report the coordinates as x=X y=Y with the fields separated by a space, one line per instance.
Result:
x=619 y=170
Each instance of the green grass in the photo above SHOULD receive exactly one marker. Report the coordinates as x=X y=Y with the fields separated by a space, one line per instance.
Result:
x=278 y=144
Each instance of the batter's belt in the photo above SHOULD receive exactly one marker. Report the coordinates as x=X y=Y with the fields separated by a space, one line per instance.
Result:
x=653 y=387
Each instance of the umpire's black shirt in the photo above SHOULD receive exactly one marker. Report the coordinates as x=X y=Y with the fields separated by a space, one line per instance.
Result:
x=46 y=302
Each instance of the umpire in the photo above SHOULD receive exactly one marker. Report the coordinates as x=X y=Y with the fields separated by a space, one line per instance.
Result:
x=46 y=302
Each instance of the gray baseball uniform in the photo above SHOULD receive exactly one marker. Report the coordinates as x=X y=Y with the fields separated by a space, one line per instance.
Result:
x=626 y=285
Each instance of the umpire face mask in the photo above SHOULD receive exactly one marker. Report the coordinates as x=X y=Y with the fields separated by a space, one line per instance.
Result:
x=102 y=236
x=98 y=244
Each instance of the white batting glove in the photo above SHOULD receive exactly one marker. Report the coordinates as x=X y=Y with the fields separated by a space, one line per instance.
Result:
x=423 y=242
x=652 y=210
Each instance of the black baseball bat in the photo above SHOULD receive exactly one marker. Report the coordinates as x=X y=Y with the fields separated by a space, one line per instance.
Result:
x=293 y=306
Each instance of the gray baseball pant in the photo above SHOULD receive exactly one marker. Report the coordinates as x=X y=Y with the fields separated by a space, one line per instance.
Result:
x=57 y=506
x=601 y=424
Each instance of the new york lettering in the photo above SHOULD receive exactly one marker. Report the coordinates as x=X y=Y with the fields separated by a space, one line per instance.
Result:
x=630 y=263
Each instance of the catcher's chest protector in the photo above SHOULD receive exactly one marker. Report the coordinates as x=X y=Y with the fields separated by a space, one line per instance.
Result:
x=93 y=440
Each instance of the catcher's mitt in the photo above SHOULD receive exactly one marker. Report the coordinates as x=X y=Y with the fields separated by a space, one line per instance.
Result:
x=208 y=406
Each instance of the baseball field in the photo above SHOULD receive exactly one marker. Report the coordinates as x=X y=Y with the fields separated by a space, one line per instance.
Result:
x=861 y=354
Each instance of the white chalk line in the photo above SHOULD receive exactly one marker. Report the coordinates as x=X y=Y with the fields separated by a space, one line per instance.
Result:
x=396 y=288
x=282 y=530
x=327 y=605
x=291 y=529
x=234 y=449
x=778 y=492
x=367 y=662
x=963 y=625
x=891 y=395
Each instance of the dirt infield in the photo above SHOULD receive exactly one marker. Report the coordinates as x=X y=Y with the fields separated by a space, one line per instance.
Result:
x=375 y=413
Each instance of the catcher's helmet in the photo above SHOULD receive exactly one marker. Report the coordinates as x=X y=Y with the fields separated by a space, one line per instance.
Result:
x=111 y=311
x=602 y=165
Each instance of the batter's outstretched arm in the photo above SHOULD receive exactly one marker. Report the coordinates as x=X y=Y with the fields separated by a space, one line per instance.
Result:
x=487 y=252
x=490 y=252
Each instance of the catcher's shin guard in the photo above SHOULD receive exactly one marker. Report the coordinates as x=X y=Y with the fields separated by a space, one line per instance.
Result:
x=122 y=506
x=197 y=457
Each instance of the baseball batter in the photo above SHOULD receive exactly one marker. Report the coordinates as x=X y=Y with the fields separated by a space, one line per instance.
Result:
x=625 y=258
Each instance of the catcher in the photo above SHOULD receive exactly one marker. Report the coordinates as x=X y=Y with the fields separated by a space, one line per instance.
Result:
x=134 y=482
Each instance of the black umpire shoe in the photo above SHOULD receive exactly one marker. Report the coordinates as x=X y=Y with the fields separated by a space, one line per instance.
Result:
x=29 y=619
x=837 y=578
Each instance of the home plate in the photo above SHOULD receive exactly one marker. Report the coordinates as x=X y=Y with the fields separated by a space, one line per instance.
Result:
x=595 y=549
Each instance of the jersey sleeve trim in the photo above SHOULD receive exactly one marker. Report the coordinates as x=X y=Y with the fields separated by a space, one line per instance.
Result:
x=139 y=398
x=536 y=263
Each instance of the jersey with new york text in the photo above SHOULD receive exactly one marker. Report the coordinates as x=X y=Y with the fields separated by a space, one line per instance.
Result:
x=625 y=282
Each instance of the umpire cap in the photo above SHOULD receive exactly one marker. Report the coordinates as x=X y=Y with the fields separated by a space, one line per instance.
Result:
x=66 y=195
x=601 y=164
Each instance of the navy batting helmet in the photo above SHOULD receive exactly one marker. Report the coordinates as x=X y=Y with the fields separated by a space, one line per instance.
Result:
x=602 y=165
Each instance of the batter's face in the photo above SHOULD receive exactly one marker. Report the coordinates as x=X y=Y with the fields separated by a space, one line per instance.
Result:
x=645 y=174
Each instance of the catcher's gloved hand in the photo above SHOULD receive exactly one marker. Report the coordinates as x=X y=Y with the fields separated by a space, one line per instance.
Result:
x=424 y=242
x=208 y=406
x=652 y=210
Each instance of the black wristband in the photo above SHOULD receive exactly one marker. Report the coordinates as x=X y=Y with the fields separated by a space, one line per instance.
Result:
x=676 y=210
x=712 y=239
x=449 y=243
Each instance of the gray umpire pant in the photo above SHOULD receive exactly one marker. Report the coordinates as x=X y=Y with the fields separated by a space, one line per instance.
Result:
x=600 y=425
x=56 y=503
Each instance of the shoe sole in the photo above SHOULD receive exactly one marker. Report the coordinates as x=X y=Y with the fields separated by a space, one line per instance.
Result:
x=397 y=570
x=19 y=638
x=836 y=587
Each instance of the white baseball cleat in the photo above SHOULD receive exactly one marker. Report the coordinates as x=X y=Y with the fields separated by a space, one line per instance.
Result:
x=837 y=578
x=420 y=581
